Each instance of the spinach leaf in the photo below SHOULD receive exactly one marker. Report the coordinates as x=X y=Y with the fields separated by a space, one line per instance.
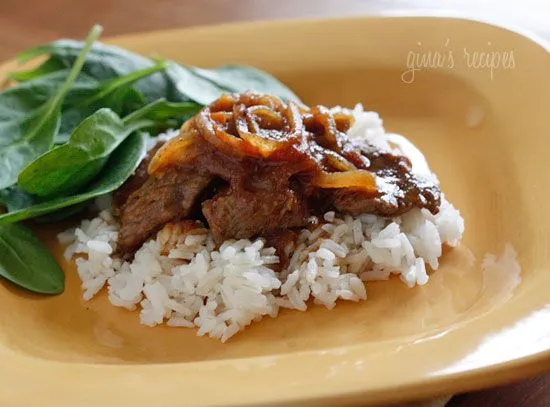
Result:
x=36 y=136
x=161 y=111
x=50 y=66
x=25 y=261
x=206 y=85
x=17 y=103
x=67 y=168
x=14 y=198
x=62 y=214
x=178 y=84
x=103 y=62
x=85 y=97
x=35 y=133
x=240 y=78
x=117 y=94
x=195 y=88
x=119 y=167
x=126 y=100
x=109 y=86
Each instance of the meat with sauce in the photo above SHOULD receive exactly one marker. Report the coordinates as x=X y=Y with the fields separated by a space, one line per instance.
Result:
x=254 y=165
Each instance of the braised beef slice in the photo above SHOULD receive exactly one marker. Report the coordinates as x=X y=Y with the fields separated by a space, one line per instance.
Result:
x=241 y=214
x=158 y=201
x=399 y=189
x=135 y=182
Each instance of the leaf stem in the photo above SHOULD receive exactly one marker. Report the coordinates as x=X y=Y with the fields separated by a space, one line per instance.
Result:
x=94 y=34
x=123 y=81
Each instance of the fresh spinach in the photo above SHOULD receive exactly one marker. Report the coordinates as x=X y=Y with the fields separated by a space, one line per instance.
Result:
x=240 y=78
x=193 y=87
x=178 y=84
x=162 y=112
x=25 y=261
x=107 y=87
x=117 y=94
x=119 y=167
x=18 y=102
x=35 y=133
x=62 y=214
x=85 y=97
x=50 y=66
x=103 y=62
x=14 y=198
x=67 y=168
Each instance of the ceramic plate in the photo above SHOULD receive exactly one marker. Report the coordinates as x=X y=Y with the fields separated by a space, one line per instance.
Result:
x=475 y=99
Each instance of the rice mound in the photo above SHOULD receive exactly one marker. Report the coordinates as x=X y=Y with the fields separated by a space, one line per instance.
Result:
x=184 y=280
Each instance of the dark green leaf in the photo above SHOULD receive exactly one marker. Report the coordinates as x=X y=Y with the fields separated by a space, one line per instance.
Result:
x=118 y=169
x=62 y=214
x=194 y=87
x=105 y=62
x=116 y=94
x=161 y=111
x=107 y=87
x=14 y=198
x=178 y=84
x=50 y=66
x=18 y=103
x=67 y=168
x=25 y=261
x=240 y=78
x=35 y=133
x=125 y=101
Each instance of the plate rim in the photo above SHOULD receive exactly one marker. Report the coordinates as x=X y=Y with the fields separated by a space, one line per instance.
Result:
x=494 y=374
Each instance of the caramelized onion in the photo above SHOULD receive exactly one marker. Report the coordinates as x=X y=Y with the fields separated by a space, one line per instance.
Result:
x=181 y=149
x=338 y=163
x=250 y=125
x=250 y=131
x=266 y=118
x=358 y=179
x=264 y=127
x=343 y=121
x=327 y=138
x=216 y=135
x=295 y=122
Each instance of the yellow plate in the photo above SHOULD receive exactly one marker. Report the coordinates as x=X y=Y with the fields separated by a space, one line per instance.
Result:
x=477 y=323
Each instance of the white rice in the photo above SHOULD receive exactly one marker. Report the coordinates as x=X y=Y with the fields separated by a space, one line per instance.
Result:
x=183 y=280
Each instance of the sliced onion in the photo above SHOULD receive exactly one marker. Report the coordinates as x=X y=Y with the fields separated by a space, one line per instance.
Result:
x=266 y=118
x=337 y=162
x=181 y=149
x=359 y=179
x=213 y=133
x=343 y=121
x=250 y=99
x=221 y=117
x=249 y=131
x=225 y=103
x=295 y=121
x=321 y=115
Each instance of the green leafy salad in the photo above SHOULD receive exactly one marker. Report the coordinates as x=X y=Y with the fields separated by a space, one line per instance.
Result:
x=75 y=128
